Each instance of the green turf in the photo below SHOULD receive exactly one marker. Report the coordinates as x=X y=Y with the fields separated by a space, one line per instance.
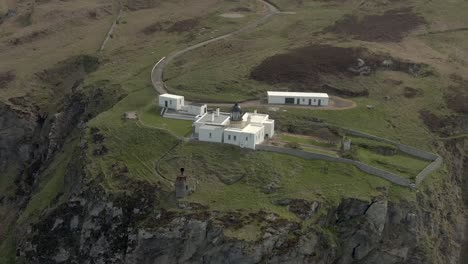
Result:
x=306 y=141
x=320 y=151
x=227 y=178
x=373 y=152
x=401 y=164
x=151 y=117
x=369 y=142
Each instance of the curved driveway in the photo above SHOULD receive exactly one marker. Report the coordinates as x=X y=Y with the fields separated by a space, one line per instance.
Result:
x=336 y=103
x=158 y=69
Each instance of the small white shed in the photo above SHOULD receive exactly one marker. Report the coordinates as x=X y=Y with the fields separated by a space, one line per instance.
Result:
x=298 y=98
x=195 y=109
x=171 y=101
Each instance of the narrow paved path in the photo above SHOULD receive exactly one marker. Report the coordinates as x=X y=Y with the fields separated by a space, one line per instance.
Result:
x=336 y=103
x=158 y=69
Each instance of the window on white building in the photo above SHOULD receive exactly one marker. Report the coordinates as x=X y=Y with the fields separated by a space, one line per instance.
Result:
x=229 y=137
x=210 y=135
x=246 y=138
x=235 y=138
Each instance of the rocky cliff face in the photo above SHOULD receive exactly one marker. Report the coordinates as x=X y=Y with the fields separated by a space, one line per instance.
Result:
x=31 y=135
x=99 y=227
x=16 y=128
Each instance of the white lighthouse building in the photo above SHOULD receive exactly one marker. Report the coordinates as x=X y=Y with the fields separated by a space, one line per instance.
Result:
x=245 y=130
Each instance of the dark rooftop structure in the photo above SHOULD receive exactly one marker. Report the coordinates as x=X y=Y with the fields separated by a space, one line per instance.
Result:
x=236 y=113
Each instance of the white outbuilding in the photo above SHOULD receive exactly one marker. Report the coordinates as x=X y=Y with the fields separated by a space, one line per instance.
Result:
x=195 y=109
x=298 y=98
x=171 y=101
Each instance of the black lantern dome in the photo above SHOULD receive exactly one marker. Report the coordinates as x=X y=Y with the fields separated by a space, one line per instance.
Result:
x=236 y=113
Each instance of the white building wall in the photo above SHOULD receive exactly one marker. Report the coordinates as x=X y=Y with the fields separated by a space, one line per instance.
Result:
x=270 y=128
x=260 y=136
x=302 y=100
x=196 y=127
x=211 y=134
x=242 y=139
x=275 y=100
x=172 y=102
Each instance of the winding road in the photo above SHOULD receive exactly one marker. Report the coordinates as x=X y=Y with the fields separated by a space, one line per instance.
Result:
x=336 y=103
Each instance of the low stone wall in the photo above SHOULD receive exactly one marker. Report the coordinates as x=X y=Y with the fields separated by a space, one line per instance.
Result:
x=404 y=148
x=364 y=167
x=417 y=152
x=434 y=165
x=428 y=170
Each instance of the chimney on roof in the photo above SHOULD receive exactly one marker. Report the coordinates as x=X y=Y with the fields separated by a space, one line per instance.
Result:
x=212 y=116
x=217 y=111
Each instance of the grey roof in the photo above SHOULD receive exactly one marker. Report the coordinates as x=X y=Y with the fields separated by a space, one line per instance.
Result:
x=217 y=119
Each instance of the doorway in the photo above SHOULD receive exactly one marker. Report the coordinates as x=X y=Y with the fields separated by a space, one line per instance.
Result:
x=310 y=101
x=165 y=103
x=319 y=102
x=298 y=101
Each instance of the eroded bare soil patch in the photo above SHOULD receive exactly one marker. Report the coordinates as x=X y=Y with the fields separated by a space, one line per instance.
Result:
x=308 y=68
x=410 y=92
x=28 y=38
x=392 y=26
x=171 y=27
x=444 y=125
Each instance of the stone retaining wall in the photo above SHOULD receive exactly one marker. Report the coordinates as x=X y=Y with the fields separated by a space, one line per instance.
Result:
x=429 y=168
x=404 y=148
x=434 y=165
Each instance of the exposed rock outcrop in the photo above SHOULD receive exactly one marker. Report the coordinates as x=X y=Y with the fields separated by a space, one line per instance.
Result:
x=95 y=227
